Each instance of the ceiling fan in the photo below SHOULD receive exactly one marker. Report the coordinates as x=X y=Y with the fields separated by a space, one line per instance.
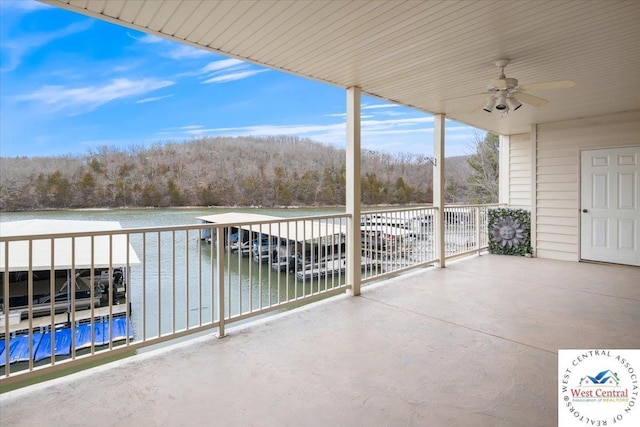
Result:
x=506 y=94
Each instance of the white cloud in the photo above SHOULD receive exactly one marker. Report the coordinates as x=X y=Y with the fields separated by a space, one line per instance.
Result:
x=224 y=78
x=268 y=130
x=221 y=65
x=16 y=48
x=332 y=133
x=22 y=5
x=147 y=38
x=396 y=122
x=171 y=49
x=407 y=135
x=182 y=51
x=378 y=106
x=90 y=97
x=153 y=99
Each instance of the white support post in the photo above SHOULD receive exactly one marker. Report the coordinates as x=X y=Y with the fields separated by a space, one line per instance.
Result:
x=438 y=185
x=479 y=230
x=353 y=188
x=534 y=189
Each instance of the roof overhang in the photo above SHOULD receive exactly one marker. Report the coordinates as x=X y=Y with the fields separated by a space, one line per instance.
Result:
x=432 y=55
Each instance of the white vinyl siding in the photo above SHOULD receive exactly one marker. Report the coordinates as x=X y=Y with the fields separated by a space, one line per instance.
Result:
x=520 y=171
x=558 y=176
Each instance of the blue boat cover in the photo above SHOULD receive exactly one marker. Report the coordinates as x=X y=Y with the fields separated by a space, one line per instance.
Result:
x=83 y=336
x=62 y=344
x=19 y=345
x=44 y=347
x=100 y=338
x=3 y=360
x=119 y=325
x=19 y=348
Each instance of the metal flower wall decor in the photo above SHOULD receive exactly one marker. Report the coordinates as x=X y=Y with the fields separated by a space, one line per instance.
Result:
x=509 y=231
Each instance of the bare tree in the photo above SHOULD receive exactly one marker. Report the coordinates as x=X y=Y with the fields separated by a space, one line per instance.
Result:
x=483 y=182
x=227 y=171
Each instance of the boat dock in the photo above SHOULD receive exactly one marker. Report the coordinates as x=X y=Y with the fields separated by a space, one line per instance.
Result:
x=332 y=267
x=59 y=341
x=60 y=319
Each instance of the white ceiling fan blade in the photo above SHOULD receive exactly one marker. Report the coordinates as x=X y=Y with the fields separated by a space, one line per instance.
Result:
x=526 y=98
x=478 y=108
x=499 y=83
x=560 y=84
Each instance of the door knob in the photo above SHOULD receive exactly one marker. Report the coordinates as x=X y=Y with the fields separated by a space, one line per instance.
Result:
x=584 y=211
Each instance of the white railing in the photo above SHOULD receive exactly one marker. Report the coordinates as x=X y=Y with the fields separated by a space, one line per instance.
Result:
x=401 y=239
x=150 y=285
x=465 y=229
x=397 y=240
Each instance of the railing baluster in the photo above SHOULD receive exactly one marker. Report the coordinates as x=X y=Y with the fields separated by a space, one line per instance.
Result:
x=159 y=285
x=173 y=281
x=144 y=287
x=52 y=291
x=112 y=291
x=127 y=292
x=92 y=294
x=212 y=282
x=186 y=278
x=220 y=288
x=30 y=292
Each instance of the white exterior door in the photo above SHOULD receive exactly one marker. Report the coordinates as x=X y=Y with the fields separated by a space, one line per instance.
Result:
x=610 y=205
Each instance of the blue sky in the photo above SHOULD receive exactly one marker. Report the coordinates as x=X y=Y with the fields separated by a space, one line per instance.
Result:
x=70 y=84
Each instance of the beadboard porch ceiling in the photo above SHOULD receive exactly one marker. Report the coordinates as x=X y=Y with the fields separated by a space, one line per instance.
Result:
x=429 y=55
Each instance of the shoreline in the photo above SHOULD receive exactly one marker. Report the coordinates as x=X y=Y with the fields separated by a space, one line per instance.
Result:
x=151 y=208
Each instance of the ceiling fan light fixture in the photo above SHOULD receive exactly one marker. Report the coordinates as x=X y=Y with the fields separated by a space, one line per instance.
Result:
x=488 y=107
x=515 y=104
x=501 y=103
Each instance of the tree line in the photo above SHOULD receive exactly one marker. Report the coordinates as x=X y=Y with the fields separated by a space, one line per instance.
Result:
x=220 y=171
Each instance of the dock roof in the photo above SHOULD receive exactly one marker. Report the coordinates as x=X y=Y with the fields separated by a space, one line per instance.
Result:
x=282 y=228
x=236 y=217
x=106 y=251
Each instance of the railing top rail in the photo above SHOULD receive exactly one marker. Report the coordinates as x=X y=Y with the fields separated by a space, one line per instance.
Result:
x=421 y=207
x=156 y=229
x=486 y=205
x=405 y=209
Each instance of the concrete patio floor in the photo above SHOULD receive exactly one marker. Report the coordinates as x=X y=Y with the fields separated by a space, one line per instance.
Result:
x=474 y=344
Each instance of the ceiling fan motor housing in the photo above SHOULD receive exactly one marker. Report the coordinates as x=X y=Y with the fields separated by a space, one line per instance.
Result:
x=502 y=84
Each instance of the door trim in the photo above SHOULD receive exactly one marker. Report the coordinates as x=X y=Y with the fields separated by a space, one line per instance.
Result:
x=580 y=202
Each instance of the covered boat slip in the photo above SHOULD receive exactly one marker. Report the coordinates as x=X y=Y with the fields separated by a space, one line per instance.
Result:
x=283 y=241
x=27 y=263
x=29 y=270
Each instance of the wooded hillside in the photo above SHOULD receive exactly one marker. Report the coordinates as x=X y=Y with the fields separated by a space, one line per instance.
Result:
x=222 y=171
